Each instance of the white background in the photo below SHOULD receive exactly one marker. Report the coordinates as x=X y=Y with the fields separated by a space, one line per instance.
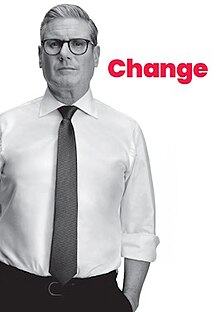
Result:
x=180 y=123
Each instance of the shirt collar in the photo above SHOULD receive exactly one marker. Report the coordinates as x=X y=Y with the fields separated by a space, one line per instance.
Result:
x=86 y=103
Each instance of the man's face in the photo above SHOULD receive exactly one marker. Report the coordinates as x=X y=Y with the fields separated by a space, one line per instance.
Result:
x=65 y=70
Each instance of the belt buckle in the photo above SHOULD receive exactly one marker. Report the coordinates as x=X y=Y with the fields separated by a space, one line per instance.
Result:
x=52 y=293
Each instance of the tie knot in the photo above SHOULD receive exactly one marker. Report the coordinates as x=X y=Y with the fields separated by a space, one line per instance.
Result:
x=67 y=111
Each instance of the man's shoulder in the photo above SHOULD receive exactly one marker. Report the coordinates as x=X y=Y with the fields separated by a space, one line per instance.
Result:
x=28 y=106
x=112 y=114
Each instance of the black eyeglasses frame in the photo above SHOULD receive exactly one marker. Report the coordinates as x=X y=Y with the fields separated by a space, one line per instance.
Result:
x=67 y=41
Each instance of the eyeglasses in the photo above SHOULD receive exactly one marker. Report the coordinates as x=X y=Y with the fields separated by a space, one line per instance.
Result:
x=77 y=46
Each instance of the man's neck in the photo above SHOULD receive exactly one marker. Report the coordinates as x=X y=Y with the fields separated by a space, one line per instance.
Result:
x=67 y=96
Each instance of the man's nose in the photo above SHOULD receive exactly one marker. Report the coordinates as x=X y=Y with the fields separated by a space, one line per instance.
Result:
x=65 y=51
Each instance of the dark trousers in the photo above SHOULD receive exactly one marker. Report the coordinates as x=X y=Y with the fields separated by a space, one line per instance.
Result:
x=22 y=291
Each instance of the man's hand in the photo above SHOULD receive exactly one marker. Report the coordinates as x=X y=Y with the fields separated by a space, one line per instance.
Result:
x=135 y=272
x=133 y=299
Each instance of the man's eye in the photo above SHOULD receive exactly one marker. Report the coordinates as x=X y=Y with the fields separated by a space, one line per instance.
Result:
x=54 y=44
x=77 y=43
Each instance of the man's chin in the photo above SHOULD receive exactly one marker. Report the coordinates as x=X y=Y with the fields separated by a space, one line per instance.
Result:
x=66 y=85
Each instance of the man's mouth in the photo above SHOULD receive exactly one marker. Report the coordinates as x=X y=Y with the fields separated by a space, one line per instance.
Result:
x=66 y=68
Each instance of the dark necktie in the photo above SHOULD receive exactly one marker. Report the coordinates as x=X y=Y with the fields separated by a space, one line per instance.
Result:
x=63 y=260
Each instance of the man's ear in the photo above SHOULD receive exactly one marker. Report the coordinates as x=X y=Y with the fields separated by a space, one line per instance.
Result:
x=96 y=54
x=40 y=56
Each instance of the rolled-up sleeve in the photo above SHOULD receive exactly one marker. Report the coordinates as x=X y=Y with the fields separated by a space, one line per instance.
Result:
x=139 y=240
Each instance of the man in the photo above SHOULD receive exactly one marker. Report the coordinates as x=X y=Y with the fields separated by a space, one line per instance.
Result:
x=76 y=191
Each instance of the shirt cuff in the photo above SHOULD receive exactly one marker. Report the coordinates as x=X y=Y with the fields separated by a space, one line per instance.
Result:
x=139 y=246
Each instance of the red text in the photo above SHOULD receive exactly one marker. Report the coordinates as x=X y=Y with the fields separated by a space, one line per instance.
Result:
x=183 y=71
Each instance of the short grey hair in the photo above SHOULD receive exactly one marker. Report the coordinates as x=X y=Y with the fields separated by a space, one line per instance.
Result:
x=65 y=11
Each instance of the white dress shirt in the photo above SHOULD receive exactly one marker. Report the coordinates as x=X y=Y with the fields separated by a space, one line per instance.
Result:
x=116 y=213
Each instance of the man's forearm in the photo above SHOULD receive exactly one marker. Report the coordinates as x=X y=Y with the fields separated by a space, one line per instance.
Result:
x=135 y=272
